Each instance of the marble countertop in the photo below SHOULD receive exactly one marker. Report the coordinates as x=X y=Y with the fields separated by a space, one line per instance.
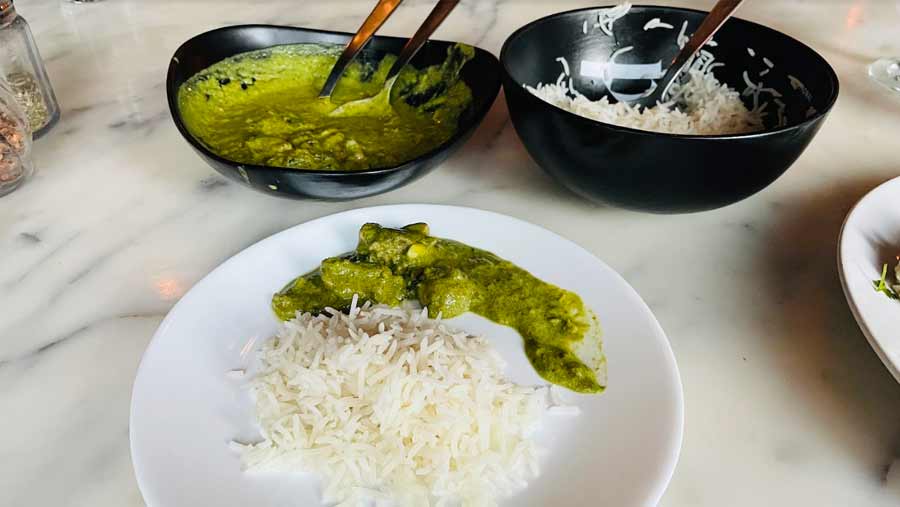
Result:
x=786 y=404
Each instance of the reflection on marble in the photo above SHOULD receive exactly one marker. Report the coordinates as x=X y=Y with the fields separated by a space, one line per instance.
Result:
x=785 y=403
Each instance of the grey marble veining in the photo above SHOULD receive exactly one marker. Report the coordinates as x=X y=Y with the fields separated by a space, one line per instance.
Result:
x=786 y=404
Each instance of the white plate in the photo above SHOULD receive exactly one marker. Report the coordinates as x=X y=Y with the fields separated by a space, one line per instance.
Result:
x=620 y=451
x=869 y=239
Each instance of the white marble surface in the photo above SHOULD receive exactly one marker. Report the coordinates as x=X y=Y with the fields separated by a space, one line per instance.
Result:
x=786 y=404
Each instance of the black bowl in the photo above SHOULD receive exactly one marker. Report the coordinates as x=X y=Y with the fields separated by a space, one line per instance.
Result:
x=655 y=172
x=481 y=74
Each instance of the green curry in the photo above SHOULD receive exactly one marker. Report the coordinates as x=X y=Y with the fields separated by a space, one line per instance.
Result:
x=450 y=278
x=263 y=108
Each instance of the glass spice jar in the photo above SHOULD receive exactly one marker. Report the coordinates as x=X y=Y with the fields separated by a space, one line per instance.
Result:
x=15 y=142
x=22 y=68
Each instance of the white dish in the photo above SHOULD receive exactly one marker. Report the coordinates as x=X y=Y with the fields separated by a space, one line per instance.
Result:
x=870 y=238
x=621 y=450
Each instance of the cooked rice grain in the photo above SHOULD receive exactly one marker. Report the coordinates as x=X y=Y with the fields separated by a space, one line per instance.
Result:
x=385 y=403
x=710 y=108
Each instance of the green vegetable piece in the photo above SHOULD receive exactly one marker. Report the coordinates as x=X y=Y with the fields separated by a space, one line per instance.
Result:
x=306 y=293
x=882 y=285
x=370 y=281
x=448 y=296
x=420 y=227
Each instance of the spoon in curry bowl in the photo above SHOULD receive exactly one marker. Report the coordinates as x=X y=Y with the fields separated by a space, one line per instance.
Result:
x=382 y=11
x=379 y=15
x=415 y=43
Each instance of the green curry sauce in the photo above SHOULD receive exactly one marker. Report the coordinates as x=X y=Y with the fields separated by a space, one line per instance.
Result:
x=263 y=108
x=450 y=278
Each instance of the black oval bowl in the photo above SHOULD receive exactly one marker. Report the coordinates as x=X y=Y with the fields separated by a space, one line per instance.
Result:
x=663 y=173
x=481 y=74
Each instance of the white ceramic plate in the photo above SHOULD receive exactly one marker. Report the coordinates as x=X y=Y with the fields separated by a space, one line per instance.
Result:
x=620 y=451
x=869 y=239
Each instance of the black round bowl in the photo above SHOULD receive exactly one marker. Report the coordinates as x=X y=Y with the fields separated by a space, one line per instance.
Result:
x=663 y=173
x=481 y=74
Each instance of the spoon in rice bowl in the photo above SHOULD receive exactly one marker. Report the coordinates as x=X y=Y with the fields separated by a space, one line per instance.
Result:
x=711 y=23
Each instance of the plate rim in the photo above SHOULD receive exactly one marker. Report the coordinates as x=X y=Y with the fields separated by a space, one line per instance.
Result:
x=874 y=342
x=674 y=453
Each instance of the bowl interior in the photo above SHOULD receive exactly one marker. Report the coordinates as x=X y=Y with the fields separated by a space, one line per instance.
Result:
x=788 y=70
x=481 y=74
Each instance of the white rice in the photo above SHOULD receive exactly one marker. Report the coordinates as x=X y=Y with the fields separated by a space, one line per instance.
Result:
x=387 y=404
x=799 y=86
x=771 y=91
x=781 y=107
x=607 y=17
x=682 y=39
x=656 y=23
x=565 y=64
x=711 y=108
x=612 y=57
x=701 y=105
x=752 y=89
x=750 y=84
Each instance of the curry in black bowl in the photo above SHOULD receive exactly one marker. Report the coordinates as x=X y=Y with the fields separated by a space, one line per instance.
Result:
x=246 y=98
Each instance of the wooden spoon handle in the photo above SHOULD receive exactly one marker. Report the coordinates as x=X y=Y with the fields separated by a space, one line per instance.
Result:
x=710 y=25
x=377 y=17
x=415 y=43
